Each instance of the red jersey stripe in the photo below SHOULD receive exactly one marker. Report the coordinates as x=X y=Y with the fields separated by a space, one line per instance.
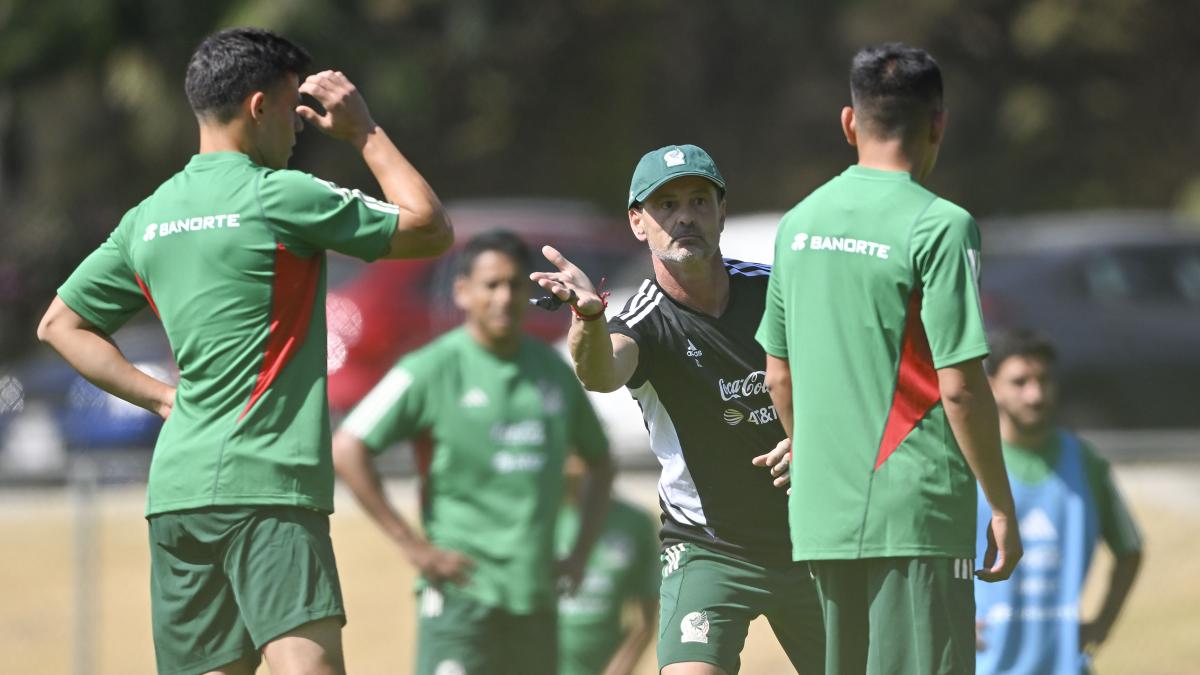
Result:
x=916 y=384
x=295 y=289
x=146 y=292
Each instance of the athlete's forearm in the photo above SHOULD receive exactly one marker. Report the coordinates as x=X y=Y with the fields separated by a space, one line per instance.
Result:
x=1124 y=572
x=971 y=412
x=98 y=359
x=625 y=659
x=353 y=464
x=594 y=353
x=422 y=228
x=593 y=506
x=779 y=385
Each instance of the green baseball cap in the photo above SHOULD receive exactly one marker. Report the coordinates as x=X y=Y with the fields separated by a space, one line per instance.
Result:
x=664 y=164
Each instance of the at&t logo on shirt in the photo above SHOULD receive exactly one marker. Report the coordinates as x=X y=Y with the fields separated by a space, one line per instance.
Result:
x=819 y=242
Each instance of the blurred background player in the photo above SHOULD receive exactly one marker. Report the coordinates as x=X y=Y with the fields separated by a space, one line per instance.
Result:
x=622 y=570
x=875 y=344
x=500 y=411
x=1066 y=502
x=684 y=346
x=230 y=254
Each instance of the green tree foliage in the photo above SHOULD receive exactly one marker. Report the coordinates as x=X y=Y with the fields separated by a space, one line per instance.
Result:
x=1054 y=103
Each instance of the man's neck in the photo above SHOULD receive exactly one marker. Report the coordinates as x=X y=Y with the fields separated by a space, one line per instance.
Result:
x=227 y=138
x=503 y=348
x=890 y=155
x=702 y=285
x=1030 y=439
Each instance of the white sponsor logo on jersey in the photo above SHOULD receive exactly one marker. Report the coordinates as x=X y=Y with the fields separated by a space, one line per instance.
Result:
x=819 y=242
x=474 y=398
x=450 y=667
x=514 y=462
x=529 y=432
x=751 y=385
x=693 y=352
x=733 y=416
x=694 y=628
x=192 y=224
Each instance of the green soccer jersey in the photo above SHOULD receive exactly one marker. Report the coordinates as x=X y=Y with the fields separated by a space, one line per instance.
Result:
x=624 y=565
x=500 y=430
x=231 y=256
x=874 y=288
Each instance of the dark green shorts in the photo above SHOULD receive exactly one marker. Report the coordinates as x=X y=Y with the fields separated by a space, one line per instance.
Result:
x=458 y=636
x=898 y=615
x=224 y=581
x=708 y=600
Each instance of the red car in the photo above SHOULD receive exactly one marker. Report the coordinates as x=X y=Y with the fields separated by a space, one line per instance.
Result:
x=378 y=312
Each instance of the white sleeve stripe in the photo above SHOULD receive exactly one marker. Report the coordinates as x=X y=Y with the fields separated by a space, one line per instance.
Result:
x=367 y=414
x=644 y=294
x=367 y=200
x=645 y=312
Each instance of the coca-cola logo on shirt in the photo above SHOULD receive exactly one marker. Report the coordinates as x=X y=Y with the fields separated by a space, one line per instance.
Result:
x=752 y=385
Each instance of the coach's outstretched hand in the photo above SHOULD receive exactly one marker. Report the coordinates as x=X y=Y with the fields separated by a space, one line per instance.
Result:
x=569 y=283
x=346 y=116
x=778 y=461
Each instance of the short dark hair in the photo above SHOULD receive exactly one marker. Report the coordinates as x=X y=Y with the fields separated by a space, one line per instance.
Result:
x=1011 y=342
x=231 y=64
x=500 y=241
x=892 y=86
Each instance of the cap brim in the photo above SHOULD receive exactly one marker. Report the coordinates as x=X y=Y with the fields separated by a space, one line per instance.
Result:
x=649 y=190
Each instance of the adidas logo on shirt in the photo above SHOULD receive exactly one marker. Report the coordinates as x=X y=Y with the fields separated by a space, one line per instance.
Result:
x=1037 y=527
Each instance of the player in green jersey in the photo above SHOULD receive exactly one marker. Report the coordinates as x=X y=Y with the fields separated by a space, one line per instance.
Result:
x=494 y=414
x=622 y=570
x=875 y=342
x=230 y=254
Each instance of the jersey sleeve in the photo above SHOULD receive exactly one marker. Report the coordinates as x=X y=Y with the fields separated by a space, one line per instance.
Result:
x=628 y=322
x=397 y=408
x=587 y=435
x=104 y=289
x=772 y=329
x=1117 y=527
x=946 y=253
x=313 y=215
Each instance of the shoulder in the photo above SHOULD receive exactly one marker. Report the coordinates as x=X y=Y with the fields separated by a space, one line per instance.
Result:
x=547 y=356
x=443 y=351
x=641 y=305
x=945 y=214
x=744 y=269
x=298 y=182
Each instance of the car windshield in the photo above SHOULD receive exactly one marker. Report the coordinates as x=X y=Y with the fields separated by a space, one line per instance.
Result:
x=1149 y=274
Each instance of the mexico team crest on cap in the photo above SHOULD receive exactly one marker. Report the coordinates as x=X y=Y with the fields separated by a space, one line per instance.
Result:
x=674 y=157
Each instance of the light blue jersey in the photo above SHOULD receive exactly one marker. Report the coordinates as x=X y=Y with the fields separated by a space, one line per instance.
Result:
x=1031 y=621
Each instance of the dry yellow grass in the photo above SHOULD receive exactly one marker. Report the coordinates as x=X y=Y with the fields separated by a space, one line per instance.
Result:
x=1156 y=635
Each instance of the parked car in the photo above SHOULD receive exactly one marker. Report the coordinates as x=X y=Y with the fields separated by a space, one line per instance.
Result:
x=1118 y=292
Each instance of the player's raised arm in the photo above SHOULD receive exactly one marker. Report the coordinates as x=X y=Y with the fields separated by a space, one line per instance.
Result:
x=422 y=227
x=603 y=361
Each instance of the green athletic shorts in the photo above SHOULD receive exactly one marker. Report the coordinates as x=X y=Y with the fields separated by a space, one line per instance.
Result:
x=708 y=599
x=898 y=615
x=457 y=635
x=224 y=581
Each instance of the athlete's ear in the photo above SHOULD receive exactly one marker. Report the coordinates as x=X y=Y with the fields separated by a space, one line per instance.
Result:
x=721 y=226
x=460 y=292
x=255 y=105
x=635 y=222
x=937 y=126
x=850 y=126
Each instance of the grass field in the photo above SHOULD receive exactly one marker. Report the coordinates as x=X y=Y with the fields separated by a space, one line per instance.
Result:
x=1157 y=634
